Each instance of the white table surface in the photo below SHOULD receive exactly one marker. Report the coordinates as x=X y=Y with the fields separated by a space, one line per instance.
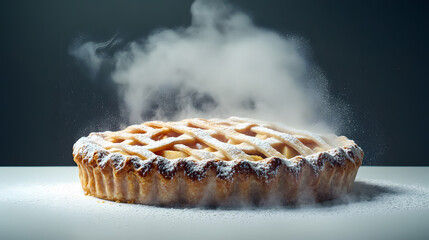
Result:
x=48 y=203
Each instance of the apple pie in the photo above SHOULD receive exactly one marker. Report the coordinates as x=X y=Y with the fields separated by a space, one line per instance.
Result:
x=216 y=162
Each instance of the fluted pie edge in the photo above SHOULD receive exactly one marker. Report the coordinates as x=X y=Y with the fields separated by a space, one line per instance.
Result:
x=183 y=182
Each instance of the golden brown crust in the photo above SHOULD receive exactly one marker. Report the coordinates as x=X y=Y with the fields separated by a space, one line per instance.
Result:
x=184 y=182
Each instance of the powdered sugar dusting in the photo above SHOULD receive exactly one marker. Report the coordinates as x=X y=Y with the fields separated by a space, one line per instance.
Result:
x=207 y=132
x=199 y=160
x=224 y=168
x=87 y=148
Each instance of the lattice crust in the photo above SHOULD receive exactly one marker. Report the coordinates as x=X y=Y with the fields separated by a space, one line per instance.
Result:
x=201 y=139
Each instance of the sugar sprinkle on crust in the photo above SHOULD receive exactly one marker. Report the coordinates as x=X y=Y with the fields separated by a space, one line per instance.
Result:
x=211 y=162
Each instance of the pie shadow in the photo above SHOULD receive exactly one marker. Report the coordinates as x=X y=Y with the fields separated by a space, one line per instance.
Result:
x=361 y=192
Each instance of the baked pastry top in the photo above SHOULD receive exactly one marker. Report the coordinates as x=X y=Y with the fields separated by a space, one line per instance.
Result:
x=217 y=162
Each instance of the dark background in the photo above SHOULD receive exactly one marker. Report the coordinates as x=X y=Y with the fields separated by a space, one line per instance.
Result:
x=374 y=54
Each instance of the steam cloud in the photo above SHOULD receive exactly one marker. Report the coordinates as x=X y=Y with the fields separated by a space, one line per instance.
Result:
x=221 y=65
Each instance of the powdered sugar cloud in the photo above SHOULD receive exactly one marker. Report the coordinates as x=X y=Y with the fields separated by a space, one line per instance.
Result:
x=220 y=65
